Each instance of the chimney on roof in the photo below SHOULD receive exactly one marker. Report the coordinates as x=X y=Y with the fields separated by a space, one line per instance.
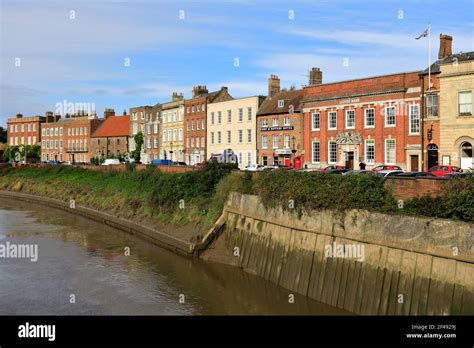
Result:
x=177 y=96
x=315 y=77
x=273 y=86
x=445 y=46
x=108 y=112
x=49 y=116
x=199 y=90
x=125 y=112
x=19 y=115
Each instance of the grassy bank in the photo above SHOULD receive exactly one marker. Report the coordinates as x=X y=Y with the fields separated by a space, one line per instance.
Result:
x=196 y=198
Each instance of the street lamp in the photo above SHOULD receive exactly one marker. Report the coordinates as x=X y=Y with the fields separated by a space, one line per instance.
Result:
x=293 y=151
x=171 y=152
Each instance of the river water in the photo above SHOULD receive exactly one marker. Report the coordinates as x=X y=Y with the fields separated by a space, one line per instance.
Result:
x=82 y=269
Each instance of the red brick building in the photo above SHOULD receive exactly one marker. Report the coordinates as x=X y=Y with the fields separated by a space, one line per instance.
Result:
x=26 y=130
x=373 y=120
x=111 y=139
x=195 y=120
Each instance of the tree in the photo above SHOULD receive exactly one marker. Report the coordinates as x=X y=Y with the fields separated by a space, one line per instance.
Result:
x=138 y=146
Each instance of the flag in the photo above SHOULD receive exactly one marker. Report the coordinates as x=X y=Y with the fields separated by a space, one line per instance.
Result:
x=423 y=34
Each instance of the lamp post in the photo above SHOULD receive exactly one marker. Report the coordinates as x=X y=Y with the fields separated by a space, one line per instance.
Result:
x=171 y=153
x=293 y=151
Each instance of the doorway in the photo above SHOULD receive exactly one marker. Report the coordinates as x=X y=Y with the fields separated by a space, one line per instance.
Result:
x=414 y=163
x=286 y=161
x=466 y=156
x=350 y=160
x=432 y=155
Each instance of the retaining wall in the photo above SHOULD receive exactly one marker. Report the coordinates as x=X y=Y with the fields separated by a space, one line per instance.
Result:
x=411 y=265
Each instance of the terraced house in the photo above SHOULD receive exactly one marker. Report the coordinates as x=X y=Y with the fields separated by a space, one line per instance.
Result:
x=231 y=125
x=195 y=122
x=172 y=115
x=111 y=139
x=142 y=120
x=373 y=120
x=26 y=130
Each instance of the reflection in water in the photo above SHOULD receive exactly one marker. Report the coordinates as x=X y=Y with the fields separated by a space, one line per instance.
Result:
x=87 y=260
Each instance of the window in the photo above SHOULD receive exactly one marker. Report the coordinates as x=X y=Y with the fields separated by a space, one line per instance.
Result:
x=148 y=143
x=219 y=117
x=390 y=116
x=465 y=103
x=316 y=152
x=197 y=140
x=192 y=124
x=34 y=127
x=390 y=151
x=370 y=151
x=332 y=120
x=212 y=138
x=175 y=135
x=249 y=114
x=249 y=135
x=180 y=134
x=229 y=116
x=164 y=117
x=155 y=128
x=414 y=115
x=155 y=143
x=241 y=115
x=281 y=103
x=142 y=115
x=275 y=122
x=350 y=119
x=61 y=144
x=431 y=105
x=134 y=114
x=212 y=118
x=249 y=157
x=240 y=136
x=199 y=109
x=135 y=129
x=175 y=115
x=197 y=124
x=369 y=119
x=148 y=129
x=229 y=137
x=264 y=160
x=275 y=141
x=170 y=115
x=61 y=131
x=315 y=122
x=169 y=135
x=286 y=121
x=286 y=141
x=192 y=142
x=202 y=124
x=332 y=151
x=193 y=108
x=29 y=128
x=264 y=142
x=188 y=109
x=264 y=122
x=219 y=137
x=202 y=142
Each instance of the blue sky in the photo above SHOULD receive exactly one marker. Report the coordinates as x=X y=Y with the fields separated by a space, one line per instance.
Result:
x=82 y=59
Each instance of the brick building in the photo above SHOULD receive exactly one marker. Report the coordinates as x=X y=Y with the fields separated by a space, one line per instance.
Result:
x=280 y=124
x=195 y=121
x=172 y=118
x=140 y=117
x=111 y=139
x=68 y=139
x=26 y=130
x=374 y=120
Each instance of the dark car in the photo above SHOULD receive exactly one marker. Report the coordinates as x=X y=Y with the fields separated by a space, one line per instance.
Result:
x=53 y=162
x=414 y=174
x=179 y=164
x=334 y=167
x=337 y=171
x=386 y=167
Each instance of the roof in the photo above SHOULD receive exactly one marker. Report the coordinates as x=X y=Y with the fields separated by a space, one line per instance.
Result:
x=270 y=105
x=113 y=126
x=459 y=57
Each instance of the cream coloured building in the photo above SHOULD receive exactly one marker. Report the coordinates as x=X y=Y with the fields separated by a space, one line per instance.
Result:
x=457 y=115
x=172 y=114
x=232 y=125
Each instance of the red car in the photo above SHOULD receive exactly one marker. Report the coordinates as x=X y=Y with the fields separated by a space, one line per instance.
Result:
x=333 y=167
x=443 y=170
x=385 y=167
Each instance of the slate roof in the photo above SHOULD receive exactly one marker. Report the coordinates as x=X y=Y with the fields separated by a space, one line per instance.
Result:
x=270 y=105
x=113 y=126
x=460 y=57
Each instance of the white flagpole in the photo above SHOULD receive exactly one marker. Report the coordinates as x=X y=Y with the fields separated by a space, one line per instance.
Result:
x=429 y=57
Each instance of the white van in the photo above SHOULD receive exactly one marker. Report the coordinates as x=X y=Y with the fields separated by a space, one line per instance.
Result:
x=110 y=161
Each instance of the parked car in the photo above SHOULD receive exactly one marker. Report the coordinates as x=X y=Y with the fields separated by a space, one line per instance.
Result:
x=359 y=172
x=414 y=174
x=385 y=168
x=254 y=168
x=162 y=162
x=52 y=162
x=334 y=167
x=111 y=161
x=389 y=173
x=309 y=170
x=179 y=164
x=337 y=171
x=443 y=170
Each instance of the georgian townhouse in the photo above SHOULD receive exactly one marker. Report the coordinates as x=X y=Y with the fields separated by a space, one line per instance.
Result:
x=26 y=130
x=280 y=124
x=231 y=125
x=195 y=122
x=139 y=117
x=172 y=116
x=111 y=139
x=373 y=120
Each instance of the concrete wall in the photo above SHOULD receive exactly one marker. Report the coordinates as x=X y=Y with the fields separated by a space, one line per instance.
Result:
x=408 y=256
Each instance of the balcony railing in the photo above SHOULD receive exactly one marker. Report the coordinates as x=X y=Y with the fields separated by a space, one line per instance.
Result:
x=73 y=149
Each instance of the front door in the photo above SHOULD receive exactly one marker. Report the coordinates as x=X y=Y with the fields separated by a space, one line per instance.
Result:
x=350 y=160
x=414 y=163
x=466 y=156
x=286 y=161
x=432 y=155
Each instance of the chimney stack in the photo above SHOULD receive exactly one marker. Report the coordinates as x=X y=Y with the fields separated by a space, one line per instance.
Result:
x=315 y=77
x=177 y=96
x=19 y=115
x=108 y=112
x=124 y=112
x=273 y=86
x=199 y=90
x=49 y=116
x=445 y=46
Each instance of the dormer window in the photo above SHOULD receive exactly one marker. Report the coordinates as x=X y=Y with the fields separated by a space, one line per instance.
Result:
x=281 y=103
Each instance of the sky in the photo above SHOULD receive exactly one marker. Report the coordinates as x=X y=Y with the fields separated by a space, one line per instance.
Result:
x=120 y=54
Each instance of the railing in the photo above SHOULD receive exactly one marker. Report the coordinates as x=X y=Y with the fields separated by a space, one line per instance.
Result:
x=76 y=149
